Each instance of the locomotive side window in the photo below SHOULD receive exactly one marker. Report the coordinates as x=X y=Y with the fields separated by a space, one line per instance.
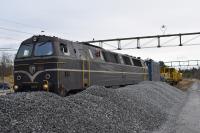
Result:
x=25 y=50
x=126 y=60
x=114 y=58
x=105 y=56
x=64 y=49
x=110 y=57
x=43 y=49
x=137 y=62
x=98 y=53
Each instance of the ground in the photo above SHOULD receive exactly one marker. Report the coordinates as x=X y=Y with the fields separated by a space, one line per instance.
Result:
x=8 y=79
x=189 y=118
x=185 y=84
x=173 y=110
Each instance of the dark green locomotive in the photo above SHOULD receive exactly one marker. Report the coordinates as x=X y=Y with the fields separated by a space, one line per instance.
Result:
x=62 y=66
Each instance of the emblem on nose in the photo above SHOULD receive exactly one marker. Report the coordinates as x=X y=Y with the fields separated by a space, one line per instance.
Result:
x=32 y=69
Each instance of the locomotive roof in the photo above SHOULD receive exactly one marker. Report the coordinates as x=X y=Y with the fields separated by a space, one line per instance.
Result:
x=53 y=38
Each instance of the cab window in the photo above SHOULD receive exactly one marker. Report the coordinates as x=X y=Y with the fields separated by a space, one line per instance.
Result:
x=25 y=50
x=43 y=49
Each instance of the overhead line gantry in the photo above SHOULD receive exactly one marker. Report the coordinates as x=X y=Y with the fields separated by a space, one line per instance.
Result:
x=138 y=39
x=185 y=63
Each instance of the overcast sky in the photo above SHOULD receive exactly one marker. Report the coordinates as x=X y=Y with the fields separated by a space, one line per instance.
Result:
x=87 y=19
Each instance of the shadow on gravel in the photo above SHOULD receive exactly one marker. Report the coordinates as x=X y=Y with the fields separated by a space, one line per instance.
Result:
x=146 y=107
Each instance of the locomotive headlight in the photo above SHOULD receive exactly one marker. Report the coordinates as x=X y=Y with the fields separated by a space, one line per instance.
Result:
x=19 y=77
x=45 y=85
x=35 y=39
x=16 y=87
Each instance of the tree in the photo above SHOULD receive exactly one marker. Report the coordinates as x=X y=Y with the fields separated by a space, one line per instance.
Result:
x=191 y=73
x=6 y=65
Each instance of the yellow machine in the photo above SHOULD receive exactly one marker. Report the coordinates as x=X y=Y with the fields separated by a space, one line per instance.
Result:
x=170 y=75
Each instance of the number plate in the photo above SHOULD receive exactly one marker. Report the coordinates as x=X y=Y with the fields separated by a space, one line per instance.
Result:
x=33 y=86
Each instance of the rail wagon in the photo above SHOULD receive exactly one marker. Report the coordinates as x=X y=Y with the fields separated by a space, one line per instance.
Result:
x=170 y=75
x=64 y=67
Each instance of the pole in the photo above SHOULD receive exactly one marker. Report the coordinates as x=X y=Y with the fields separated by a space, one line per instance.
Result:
x=119 y=45
x=180 y=39
x=158 y=42
x=3 y=72
x=138 y=43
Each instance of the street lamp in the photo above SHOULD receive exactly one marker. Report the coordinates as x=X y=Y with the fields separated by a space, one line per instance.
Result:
x=163 y=28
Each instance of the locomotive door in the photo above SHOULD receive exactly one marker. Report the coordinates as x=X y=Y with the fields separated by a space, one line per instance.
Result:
x=85 y=68
x=86 y=73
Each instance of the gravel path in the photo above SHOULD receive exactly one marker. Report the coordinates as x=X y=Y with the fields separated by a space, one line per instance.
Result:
x=189 y=118
x=146 y=107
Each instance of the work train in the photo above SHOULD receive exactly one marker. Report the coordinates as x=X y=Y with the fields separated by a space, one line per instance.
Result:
x=64 y=67
x=170 y=75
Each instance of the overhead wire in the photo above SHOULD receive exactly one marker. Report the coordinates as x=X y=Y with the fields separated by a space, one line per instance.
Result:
x=14 y=30
x=170 y=40
x=4 y=48
x=127 y=44
x=109 y=45
x=191 y=39
x=9 y=38
x=30 y=26
x=19 y=23
x=7 y=50
x=148 y=42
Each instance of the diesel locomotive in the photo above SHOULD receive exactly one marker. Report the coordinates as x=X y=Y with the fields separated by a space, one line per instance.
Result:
x=63 y=67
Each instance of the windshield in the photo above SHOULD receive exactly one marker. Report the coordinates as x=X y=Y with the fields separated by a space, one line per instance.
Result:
x=25 y=50
x=44 y=48
x=40 y=49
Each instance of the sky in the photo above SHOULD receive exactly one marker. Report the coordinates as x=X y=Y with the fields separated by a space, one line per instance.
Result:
x=103 y=19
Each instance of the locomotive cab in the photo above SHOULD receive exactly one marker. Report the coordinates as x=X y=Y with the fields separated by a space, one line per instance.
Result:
x=35 y=63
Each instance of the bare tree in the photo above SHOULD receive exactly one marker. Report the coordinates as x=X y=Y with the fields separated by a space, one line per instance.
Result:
x=191 y=73
x=6 y=65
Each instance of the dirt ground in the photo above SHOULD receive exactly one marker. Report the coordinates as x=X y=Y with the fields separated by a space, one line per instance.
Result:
x=185 y=84
x=8 y=79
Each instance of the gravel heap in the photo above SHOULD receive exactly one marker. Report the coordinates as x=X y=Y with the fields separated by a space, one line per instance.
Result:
x=146 y=107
